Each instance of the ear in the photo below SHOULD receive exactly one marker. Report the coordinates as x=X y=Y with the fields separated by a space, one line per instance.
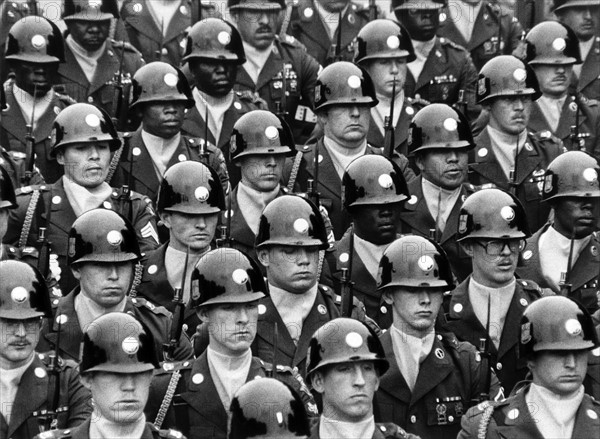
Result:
x=76 y=271
x=60 y=157
x=86 y=380
x=263 y=256
x=322 y=117
x=165 y=218
x=388 y=296
x=317 y=382
x=467 y=247
x=202 y=314
x=419 y=162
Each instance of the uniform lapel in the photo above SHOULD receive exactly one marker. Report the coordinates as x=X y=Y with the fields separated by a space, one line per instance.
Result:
x=273 y=65
x=240 y=230
x=586 y=424
x=417 y=214
x=486 y=27
x=432 y=371
x=12 y=119
x=586 y=266
x=194 y=123
x=62 y=216
x=108 y=64
x=483 y=161
x=311 y=25
x=266 y=322
x=435 y=65
x=144 y=23
x=143 y=162
x=521 y=426
x=392 y=381
x=537 y=120
x=528 y=159
x=530 y=267
x=452 y=221
x=450 y=31
x=71 y=335
x=71 y=69
x=328 y=176
x=315 y=319
x=179 y=23
x=590 y=70
x=510 y=331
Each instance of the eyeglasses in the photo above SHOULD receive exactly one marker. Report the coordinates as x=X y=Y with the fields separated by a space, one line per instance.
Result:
x=11 y=326
x=495 y=246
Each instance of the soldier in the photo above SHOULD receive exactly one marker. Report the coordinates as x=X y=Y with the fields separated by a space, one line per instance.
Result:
x=552 y=53
x=33 y=52
x=485 y=29
x=8 y=201
x=117 y=361
x=279 y=70
x=270 y=403
x=343 y=98
x=583 y=16
x=226 y=288
x=161 y=94
x=189 y=202
x=439 y=140
x=508 y=156
x=103 y=249
x=442 y=71
x=96 y=65
x=213 y=52
x=485 y=308
x=345 y=365
x=556 y=335
x=85 y=140
x=430 y=372
x=28 y=379
x=328 y=28
x=563 y=255
x=373 y=194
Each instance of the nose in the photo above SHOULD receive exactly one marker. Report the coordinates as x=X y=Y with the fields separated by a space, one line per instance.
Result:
x=94 y=152
x=128 y=382
x=569 y=360
x=424 y=297
x=355 y=111
x=518 y=104
x=395 y=67
x=242 y=316
x=359 y=376
x=452 y=156
x=506 y=251
x=587 y=13
x=263 y=18
x=20 y=330
x=201 y=222
x=303 y=256
x=113 y=272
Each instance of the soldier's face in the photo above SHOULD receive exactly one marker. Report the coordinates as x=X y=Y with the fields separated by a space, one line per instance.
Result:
x=561 y=372
x=510 y=114
x=194 y=230
x=215 y=78
x=90 y=35
x=444 y=168
x=415 y=310
x=105 y=283
x=291 y=268
x=347 y=390
x=18 y=339
x=553 y=79
x=333 y=5
x=35 y=78
x=584 y=20
x=262 y=172
x=492 y=271
x=86 y=164
x=258 y=27
x=163 y=119
x=347 y=125
x=421 y=24
x=119 y=397
x=376 y=223
x=231 y=326
x=386 y=72
x=576 y=214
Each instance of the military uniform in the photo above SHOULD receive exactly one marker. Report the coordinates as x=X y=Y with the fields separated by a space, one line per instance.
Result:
x=155 y=319
x=15 y=132
x=591 y=381
x=584 y=275
x=588 y=82
x=288 y=59
x=535 y=156
x=382 y=431
x=307 y=26
x=118 y=57
x=460 y=319
x=496 y=31
x=16 y=172
x=83 y=432
x=512 y=418
x=450 y=379
x=50 y=203
x=376 y=137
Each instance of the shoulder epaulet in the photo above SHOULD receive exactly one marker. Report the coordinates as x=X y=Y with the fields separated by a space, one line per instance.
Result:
x=544 y=136
x=530 y=285
x=171 y=434
x=390 y=430
x=306 y=148
x=288 y=40
x=417 y=101
x=448 y=42
x=124 y=45
x=54 y=434
x=141 y=302
x=26 y=190
x=170 y=367
x=248 y=95
x=65 y=99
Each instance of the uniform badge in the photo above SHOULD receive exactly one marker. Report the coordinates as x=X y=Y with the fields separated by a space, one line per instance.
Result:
x=197 y=378
x=548 y=183
x=354 y=340
x=262 y=309
x=351 y=19
x=183 y=9
x=224 y=38
x=385 y=181
x=322 y=310
x=19 y=295
x=301 y=225
x=559 y=44
x=594 y=250
x=450 y=124
x=240 y=276
x=393 y=42
x=271 y=133
x=525 y=333
x=439 y=353
x=481 y=86
x=426 y=263
x=308 y=13
x=195 y=289
x=507 y=213
x=462 y=223
x=170 y=79
x=114 y=238
x=590 y=175
x=354 y=81
x=130 y=345
x=38 y=42
x=441 y=413
x=573 y=327
x=92 y=120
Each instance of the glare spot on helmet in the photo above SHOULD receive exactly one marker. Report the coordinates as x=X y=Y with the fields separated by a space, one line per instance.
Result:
x=301 y=225
x=354 y=340
x=520 y=75
x=19 y=294
x=114 y=237
x=354 y=81
x=559 y=44
x=38 y=42
x=239 y=276
x=92 y=120
x=201 y=194
x=573 y=327
x=426 y=263
x=590 y=175
x=62 y=319
x=224 y=38
x=130 y=345
x=450 y=124
x=385 y=181
x=279 y=417
x=271 y=132
x=344 y=257
x=507 y=213
x=170 y=79
x=136 y=151
x=393 y=42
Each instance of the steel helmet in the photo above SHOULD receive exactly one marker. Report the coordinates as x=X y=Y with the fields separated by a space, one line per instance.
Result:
x=373 y=179
x=383 y=39
x=558 y=5
x=417 y=4
x=117 y=343
x=505 y=75
x=439 y=126
x=8 y=198
x=256 y=5
x=160 y=82
x=226 y=275
x=83 y=123
x=344 y=340
x=190 y=187
x=102 y=235
x=551 y=42
x=260 y=132
x=572 y=174
x=23 y=292
x=556 y=323
x=35 y=39
x=267 y=408
x=492 y=214
x=291 y=220
x=216 y=39
x=414 y=262
x=344 y=83
x=90 y=10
